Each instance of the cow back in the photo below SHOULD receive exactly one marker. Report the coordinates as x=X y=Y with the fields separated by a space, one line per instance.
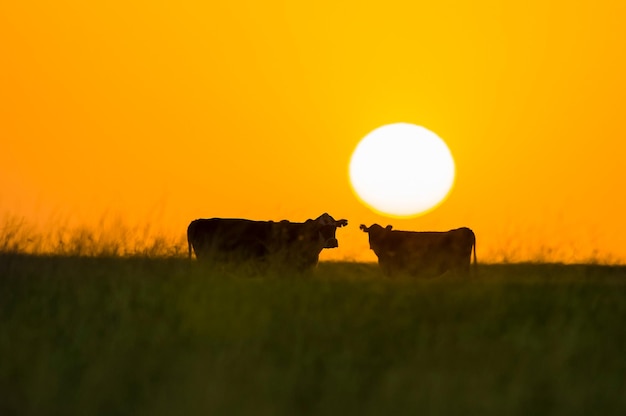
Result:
x=226 y=239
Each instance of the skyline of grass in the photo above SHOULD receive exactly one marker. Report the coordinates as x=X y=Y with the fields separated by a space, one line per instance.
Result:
x=115 y=237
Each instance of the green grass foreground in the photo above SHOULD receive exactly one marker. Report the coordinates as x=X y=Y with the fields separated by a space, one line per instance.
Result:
x=114 y=336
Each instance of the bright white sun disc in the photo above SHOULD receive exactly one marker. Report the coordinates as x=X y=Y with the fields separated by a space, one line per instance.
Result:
x=402 y=170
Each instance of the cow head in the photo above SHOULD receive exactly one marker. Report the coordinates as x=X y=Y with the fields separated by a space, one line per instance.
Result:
x=326 y=226
x=302 y=243
x=377 y=235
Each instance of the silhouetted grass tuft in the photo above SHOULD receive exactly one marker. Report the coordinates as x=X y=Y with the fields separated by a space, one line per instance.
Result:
x=111 y=238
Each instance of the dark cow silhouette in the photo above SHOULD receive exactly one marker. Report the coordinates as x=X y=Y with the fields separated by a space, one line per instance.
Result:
x=287 y=244
x=422 y=254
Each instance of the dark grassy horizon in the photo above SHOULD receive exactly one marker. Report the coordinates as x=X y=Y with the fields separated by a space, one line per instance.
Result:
x=115 y=237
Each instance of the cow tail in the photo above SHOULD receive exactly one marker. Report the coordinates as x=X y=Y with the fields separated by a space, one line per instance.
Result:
x=189 y=232
x=475 y=261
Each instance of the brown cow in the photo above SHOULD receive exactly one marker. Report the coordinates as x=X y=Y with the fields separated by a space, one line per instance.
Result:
x=422 y=254
x=293 y=245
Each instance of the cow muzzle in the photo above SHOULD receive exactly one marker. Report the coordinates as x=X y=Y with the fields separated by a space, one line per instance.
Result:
x=331 y=243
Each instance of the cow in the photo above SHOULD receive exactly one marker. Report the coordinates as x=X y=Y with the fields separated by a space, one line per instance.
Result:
x=287 y=244
x=422 y=254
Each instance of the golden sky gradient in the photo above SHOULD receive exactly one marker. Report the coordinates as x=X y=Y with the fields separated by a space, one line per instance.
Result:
x=168 y=111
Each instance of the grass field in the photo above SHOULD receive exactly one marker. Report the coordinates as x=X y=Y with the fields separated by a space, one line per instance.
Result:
x=116 y=336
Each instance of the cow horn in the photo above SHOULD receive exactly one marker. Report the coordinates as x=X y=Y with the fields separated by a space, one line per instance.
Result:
x=364 y=228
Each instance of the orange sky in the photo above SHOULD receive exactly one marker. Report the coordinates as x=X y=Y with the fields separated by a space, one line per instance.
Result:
x=163 y=112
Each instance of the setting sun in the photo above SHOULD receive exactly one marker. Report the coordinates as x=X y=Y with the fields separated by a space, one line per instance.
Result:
x=402 y=170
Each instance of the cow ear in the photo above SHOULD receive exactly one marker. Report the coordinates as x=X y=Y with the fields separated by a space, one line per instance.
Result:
x=364 y=228
x=388 y=228
x=341 y=223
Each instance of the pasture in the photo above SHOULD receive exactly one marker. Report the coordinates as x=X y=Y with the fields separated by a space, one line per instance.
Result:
x=162 y=336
